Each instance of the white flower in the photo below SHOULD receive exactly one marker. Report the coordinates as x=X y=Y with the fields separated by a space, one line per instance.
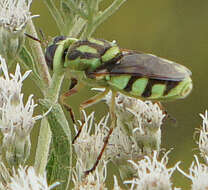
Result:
x=16 y=123
x=198 y=174
x=5 y=177
x=88 y=146
x=18 y=118
x=10 y=85
x=203 y=137
x=122 y=148
x=93 y=181
x=24 y=179
x=27 y=179
x=149 y=115
x=14 y=14
x=143 y=115
x=152 y=174
x=140 y=120
x=116 y=186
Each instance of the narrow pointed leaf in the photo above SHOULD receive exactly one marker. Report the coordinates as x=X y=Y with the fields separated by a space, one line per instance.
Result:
x=59 y=165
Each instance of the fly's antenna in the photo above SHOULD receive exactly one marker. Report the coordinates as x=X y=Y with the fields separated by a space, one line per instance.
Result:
x=44 y=42
x=32 y=37
x=42 y=34
x=44 y=39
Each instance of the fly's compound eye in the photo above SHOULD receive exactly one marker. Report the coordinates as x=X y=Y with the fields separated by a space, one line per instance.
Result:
x=58 y=39
x=50 y=50
x=49 y=55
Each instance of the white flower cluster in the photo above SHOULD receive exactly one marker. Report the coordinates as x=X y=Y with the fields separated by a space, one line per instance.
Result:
x=93 y=181
x=136 y=137
x=14 y=14
x=16 y=119
x=15 y=116
x=203 y=137
x=137 y=133
x=120 y=149
x=24 y=179
x=198 y=174
x=10 y=85
x=88 y=145
x=141 y=121
x=152 y=174
x=144 y=116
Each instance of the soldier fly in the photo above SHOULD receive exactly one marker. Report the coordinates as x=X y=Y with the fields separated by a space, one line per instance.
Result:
x=101 y=63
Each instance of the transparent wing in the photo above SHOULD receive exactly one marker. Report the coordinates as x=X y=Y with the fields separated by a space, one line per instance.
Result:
x=146 y=65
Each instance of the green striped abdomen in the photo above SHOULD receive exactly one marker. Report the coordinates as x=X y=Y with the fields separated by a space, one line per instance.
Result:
x=147 y=88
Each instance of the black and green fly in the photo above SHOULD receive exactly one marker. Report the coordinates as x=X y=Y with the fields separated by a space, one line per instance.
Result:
x=101 y=63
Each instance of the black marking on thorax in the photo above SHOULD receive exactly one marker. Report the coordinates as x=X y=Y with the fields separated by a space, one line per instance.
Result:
x=100 y=48
x=109 y=65
x=74 y=54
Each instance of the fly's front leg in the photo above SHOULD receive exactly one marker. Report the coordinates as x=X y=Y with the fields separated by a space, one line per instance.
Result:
x=86 y=104
x=74 y=88
x=113 y=125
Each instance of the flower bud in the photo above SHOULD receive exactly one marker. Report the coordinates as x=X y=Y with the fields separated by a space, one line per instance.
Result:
x=10 y=43
x=14 y=15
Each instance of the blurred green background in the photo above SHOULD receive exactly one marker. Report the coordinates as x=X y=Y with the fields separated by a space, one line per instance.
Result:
x=173 y=29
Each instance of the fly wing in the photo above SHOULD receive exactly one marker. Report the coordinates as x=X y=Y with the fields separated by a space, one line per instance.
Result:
x=146 y=65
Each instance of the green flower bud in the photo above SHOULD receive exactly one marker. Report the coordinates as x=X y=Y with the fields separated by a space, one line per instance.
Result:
x=10 y=43
x=17 y=149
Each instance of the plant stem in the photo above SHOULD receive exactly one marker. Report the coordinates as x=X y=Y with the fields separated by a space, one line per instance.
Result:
x=44 y=137
x=56 y=15
x=76 y=9
x=38 y=53
x=94 y=21
x=88 y=30
x=43 y=146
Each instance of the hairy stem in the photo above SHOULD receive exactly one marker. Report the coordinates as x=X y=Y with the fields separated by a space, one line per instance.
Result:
x=43 y=146
x=55 y=13
x=38 y=53
x=44 y=137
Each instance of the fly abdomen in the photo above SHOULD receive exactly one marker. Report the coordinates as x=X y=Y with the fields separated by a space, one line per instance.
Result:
x=147 y=88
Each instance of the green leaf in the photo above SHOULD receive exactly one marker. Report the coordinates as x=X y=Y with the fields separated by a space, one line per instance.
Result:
x=27 y=58
x=76 y=9
x=68 y=16
x=59 y=165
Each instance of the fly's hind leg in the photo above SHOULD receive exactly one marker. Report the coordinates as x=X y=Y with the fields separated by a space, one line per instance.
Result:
x=74 y=88
x=86 y=104
x=113 y=125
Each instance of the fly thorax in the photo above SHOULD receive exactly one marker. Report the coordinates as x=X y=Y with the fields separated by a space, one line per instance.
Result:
x=90 y=54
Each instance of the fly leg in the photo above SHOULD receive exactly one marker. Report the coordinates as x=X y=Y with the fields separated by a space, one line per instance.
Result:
x=113 y=125
x=74 y=88
x=86 y=104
